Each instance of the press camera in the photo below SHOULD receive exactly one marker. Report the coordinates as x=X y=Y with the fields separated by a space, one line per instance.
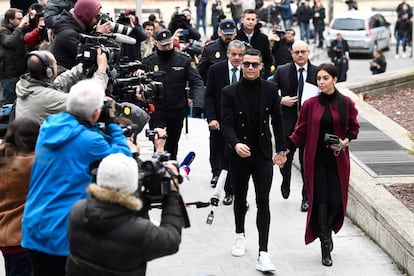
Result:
x=155 y=177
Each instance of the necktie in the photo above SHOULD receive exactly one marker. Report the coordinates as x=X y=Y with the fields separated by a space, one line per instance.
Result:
x=234 y=75
x=300 y=87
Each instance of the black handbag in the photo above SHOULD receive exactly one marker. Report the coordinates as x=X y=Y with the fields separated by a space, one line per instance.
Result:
x=331 y=139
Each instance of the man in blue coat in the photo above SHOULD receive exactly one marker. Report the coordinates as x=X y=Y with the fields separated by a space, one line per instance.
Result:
x=68 y=143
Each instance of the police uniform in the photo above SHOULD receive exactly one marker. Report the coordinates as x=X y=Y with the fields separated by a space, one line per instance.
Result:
x=216 y=50
x=213 y=52
x=175 y=70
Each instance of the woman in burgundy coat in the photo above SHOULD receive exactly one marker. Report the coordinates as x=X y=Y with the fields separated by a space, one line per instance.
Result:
x=327 y=167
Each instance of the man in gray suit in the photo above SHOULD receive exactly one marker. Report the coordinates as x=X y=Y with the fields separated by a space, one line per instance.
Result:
x=221 y=74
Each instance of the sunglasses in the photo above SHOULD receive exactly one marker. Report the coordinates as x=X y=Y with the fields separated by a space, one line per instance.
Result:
x=303 y=52
x=247 y=64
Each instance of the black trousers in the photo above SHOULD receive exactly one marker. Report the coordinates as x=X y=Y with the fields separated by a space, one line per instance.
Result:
x=47 y=265
x=173 y=120
x=218 y=161
x=261 y=170
x=286 y=171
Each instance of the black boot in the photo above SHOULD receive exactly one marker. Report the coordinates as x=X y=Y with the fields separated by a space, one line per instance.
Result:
x=331 y=219
x=324 y=234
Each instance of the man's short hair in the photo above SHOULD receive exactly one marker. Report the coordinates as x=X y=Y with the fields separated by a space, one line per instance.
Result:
x=147 y=23
x=236 y=44
x=10 y=14
x=250 y=11
x=84 y=98
x=252 y=52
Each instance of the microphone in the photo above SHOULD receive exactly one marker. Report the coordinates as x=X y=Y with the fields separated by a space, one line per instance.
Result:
x=185 y=165
x=188 y=159
x=123 y=38
x=129 y=130
x=219 y=187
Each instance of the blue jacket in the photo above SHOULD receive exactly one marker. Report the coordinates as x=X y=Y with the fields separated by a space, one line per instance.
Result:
x=60 y=174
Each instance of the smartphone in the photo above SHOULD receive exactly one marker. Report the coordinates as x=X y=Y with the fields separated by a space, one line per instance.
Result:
x=185 y=32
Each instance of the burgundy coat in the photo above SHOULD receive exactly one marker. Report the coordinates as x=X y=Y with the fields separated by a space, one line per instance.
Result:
x=306 y=133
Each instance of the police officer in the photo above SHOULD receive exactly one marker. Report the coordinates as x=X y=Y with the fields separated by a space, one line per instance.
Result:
x=216 y=50
x=175 y=70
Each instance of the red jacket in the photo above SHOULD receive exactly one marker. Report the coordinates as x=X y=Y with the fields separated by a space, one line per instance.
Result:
x=306 y=133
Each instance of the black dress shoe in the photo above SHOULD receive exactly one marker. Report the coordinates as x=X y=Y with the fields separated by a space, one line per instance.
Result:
x=304 y=206
x=213 y=181
x=285 y=191
x=228 y=200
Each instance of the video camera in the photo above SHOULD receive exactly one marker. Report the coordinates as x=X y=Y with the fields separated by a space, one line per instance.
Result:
x=87 y=51
x=280 y=32
x=124 y=89
x=155 y=177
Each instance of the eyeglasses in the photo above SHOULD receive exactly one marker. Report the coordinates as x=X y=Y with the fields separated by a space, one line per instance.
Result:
x=247 y=64
x=303 y=52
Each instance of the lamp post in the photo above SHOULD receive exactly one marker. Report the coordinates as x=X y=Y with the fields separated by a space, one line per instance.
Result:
x=330 y=10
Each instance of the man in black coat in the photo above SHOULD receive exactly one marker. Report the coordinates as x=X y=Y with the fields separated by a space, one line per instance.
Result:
x=339 y=53
x=221 y=75
x=70 y=25
x=287 y=79
x=250 y=33
x=175 y=69
x=247 y=107
x=12 y=52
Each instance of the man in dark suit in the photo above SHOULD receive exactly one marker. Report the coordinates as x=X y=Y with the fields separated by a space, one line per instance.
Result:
x=247 y=107
x=339 y=53
x=250 y=33
x=287 y=78
x=221 y=74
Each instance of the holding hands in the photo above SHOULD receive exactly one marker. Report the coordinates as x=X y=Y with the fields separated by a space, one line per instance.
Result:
x=280 y=158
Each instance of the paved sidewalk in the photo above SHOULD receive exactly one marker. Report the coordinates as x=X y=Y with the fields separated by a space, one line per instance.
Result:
x=206 y=249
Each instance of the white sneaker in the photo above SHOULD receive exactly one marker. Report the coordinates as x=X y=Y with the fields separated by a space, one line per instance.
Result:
x=264 y=264
x=239 y=248
x=397 y=56
x=404 y=55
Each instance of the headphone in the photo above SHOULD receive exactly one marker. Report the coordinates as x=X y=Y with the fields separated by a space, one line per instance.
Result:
x=45 y=71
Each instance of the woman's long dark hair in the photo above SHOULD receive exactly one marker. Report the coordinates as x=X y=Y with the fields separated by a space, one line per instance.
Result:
x=21 y=137
x=331 y=70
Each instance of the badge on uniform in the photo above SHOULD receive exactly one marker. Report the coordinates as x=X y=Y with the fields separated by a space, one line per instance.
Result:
x=217 y=55
x=156 y=68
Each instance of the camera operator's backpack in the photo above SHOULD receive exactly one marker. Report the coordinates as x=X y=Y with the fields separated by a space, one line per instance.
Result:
x=5 y=112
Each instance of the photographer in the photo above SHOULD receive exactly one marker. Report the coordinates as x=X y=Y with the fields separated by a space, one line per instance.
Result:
x=108 y=224
x=281 y=45
x=40 y=92
x=182 y=21
x=38 y=32
x=132 y=51
x=82 y=19
x=68 y=143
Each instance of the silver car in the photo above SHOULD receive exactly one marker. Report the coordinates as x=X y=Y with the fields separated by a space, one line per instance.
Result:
x=364 y=31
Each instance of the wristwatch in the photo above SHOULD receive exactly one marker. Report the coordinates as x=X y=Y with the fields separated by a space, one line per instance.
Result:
x=283 y=153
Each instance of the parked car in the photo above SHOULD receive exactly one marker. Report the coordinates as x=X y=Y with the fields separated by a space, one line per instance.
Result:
x=364 y=31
